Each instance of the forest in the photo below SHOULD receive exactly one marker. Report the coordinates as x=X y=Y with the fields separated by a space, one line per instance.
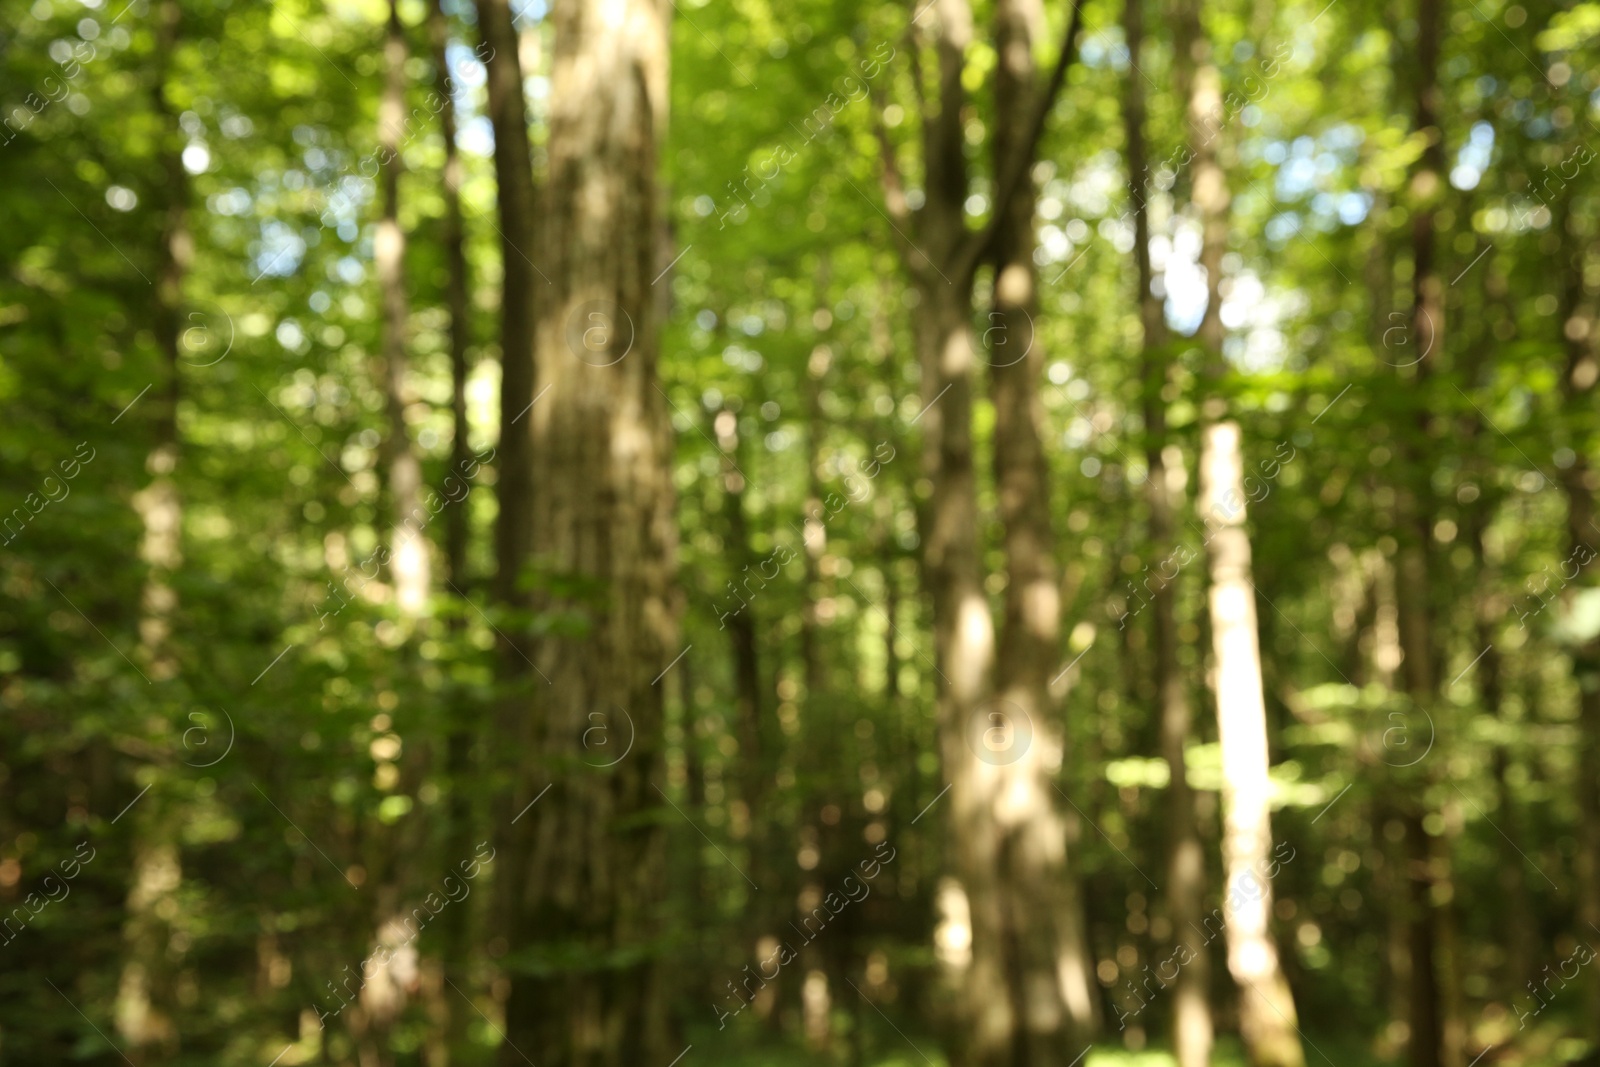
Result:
x=717 y=533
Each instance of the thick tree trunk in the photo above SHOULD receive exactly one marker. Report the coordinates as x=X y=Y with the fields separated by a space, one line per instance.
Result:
x=970 y=922
x=1042 y=890
x=408 y=547
x=1268 y=1021
x=586 y=918
x=1006 y=846
x=1185 y=894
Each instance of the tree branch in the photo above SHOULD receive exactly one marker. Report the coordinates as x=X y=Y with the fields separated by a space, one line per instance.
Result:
x=1010 y=181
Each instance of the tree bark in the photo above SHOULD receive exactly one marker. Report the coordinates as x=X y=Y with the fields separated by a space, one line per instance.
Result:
x=513 y=167
x=1003 y=867
x=1267 y=1017
x=740 y=620
x=1578 y=481
x=146 y=1000
x=1268 y=1021
x=970 y=926
x=1413 y=511
x=1041 y=887
x=456 y=951
x=587 y=987
x=511 y=791
x=408 y=548
x=1192 y=1025
x=453 y=238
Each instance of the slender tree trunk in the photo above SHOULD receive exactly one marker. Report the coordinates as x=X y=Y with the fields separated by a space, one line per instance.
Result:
x=1267 y=1017
x=453 y=238
x=384 y=993
x=408 y=547
x=606 y=537
x=814 y=529
x=1268 y=1021
x=456 y=950
x=513 y=166
x=1579 y=482
x=739 y=618
x=1428 y=1044
x=146 y=1000
x=1185 y=894
x=1517 y=936
x=511 y=790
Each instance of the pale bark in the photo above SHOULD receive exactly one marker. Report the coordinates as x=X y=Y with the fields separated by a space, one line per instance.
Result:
x=593 y=881
x=1054 y=1003
x=1267 y=1017
x=970 y=928
x=1006 y=843
x=159 y=507
x=1268 y=1021
x=1192 y=1024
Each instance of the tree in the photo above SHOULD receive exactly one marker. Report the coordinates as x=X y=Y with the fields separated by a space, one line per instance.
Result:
x=604 y=544
x=408 y=549
x=1191 y=1010
x=1267 y=1018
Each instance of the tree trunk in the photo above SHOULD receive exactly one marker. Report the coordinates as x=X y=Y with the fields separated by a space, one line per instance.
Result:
x=756 y=759
x=513 y=167
x=510 y=790
x=455 y=949
x=1517 y=936
x=964 y=653
x=1192 y=1025
x=1267 y=1017
x=453 y=238
x=146 y=1000
x=1579 y=481
x=970 y=928
x=408 y=547
x=1413 y=530
x=586 y=925
x=813 y=525
x=1042 y=888
x=1268 y=1021
x=1007 y=848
